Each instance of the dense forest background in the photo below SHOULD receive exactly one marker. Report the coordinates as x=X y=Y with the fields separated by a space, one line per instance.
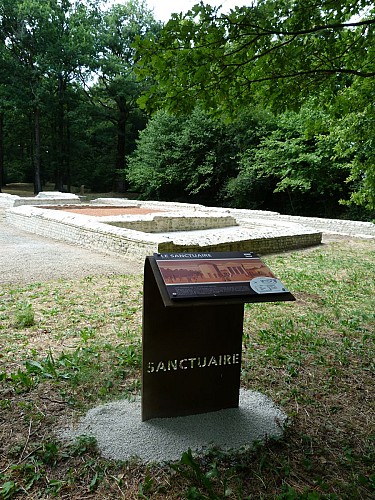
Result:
x=269 y=106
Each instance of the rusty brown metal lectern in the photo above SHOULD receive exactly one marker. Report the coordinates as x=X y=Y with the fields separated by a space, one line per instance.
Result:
x=193 y=306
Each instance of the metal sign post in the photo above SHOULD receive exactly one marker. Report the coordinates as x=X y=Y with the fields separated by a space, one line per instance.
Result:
x=192 y=329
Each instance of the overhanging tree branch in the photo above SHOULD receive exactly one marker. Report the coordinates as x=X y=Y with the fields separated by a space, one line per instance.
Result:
x=316 y=71
x=260 y=31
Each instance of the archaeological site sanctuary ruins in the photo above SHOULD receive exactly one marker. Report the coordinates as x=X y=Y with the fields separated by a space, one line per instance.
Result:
x=136 y=229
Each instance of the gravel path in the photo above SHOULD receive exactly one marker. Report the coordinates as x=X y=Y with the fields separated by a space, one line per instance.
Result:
x=28 y=258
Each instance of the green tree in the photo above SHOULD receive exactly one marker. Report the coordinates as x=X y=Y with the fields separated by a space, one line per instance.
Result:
x=71 y=32
x=20 y=68
x=191 y=157
x=354 y=138
x=2 y=176
x=274 y=49
x=117 y=89
x=296 y=158
x=44 y=42
x=276 y=53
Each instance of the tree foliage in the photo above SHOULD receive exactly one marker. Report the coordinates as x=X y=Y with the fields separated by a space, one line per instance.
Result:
x=117 y=90
x=354 y=137
x=288 y=163
x=49 y=51
x=192 y=157
x=273 y=101
x=265 y=50
x=297 y=158
x=278 y=54
x=44 y=43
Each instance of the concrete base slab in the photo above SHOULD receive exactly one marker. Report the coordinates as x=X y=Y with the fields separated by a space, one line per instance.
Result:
x=121 y=435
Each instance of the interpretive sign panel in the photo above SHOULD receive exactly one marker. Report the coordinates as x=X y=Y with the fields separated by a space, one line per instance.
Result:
x=217 y=274
x=193 y=306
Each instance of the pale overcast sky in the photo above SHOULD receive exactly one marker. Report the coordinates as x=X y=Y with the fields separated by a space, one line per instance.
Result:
x=164 y=8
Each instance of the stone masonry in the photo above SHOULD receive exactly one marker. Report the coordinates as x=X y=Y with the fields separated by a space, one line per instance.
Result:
x=180 y=227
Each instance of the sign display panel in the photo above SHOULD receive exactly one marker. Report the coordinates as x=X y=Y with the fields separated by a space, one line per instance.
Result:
x=217 y=274
x=191 y=349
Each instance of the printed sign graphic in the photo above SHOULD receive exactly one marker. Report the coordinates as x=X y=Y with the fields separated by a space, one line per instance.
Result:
x=216 y=274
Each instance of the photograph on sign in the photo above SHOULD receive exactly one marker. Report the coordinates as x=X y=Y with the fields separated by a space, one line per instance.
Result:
x=216 y=274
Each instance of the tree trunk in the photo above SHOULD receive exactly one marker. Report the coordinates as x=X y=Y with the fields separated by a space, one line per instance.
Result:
x=61 y=136
x=2 y=176
x=119 y=181
x=37 y=156
x=67 y=158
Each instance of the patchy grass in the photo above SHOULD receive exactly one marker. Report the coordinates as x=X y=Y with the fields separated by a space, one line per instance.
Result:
x=69 y=345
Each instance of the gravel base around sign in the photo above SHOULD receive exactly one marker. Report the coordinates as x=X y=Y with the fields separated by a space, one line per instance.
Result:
x=121 y=435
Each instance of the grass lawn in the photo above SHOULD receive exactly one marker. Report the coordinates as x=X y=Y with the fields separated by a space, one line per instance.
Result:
x=69 y=345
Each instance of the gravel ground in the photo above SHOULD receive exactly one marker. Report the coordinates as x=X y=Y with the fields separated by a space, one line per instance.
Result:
x=121 y=434
x=28 y=258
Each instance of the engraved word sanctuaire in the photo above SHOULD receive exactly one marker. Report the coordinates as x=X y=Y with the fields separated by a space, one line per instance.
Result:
x=193 y=363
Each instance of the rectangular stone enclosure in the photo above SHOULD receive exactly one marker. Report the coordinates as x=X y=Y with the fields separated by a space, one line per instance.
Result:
x=192 y=346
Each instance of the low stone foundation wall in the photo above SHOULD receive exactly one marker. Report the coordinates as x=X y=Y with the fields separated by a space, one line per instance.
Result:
x=96 y=233
x=169 y=222
x=81 y=230
x=345 y=227
x=43 y=198
x=261 y=246
x=338 y=226
x=349 y=227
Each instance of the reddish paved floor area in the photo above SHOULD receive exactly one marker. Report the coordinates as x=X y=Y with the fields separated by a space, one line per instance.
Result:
x=106 y=211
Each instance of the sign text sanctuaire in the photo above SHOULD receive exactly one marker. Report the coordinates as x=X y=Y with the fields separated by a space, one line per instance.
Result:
x=192 y=363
